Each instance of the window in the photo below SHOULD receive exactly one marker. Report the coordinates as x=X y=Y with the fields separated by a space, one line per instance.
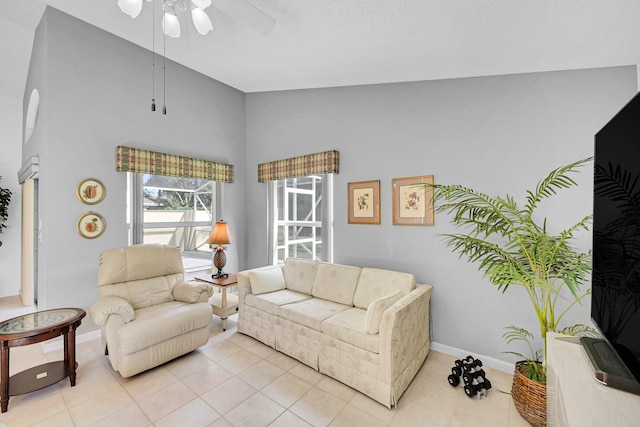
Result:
x=174 y=211
x=301 y=218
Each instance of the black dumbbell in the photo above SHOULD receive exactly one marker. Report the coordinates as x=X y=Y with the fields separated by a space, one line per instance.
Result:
x=456 y=370
x=468 y=367
x=454 y=380
x=473 y=389
x=468 y=377
x=461 y=362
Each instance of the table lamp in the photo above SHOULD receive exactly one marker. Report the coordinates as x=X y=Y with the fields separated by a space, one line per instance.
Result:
x=220 y=236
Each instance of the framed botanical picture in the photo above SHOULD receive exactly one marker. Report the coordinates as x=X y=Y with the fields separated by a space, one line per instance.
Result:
x=412 y=200
x=91 y=225
x=364 y=202
x=91 y=191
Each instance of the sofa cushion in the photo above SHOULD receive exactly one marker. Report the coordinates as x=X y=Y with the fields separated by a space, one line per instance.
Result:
x=376 y=308
x=299 y=274
x=162 y=322
x=348 y=327
x=374 y=283
x=336 y=283
x=311 y=312
x=271 y=302
x=266 y=281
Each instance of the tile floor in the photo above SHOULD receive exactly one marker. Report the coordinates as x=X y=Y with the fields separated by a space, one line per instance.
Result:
x=235 y=380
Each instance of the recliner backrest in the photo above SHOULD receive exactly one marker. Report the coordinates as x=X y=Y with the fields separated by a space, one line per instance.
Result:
x=144 y=275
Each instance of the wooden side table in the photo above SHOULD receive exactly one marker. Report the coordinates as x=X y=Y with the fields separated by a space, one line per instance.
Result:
x=30 y=329
x=222 y=304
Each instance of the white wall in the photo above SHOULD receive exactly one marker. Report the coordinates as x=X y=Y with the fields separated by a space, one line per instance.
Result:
x=95 y=95
x=497 y=134
x=10 y=142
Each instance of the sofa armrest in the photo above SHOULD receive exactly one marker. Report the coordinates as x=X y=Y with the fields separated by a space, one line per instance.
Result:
x=192 y=292
x=244 y=287
x=108 y=306
x=404 y=331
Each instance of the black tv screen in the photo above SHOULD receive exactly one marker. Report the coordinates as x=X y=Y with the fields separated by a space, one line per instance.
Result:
x=615 y=298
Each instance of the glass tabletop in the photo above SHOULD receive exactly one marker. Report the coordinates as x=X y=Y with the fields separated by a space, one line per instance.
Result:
x=38 y=320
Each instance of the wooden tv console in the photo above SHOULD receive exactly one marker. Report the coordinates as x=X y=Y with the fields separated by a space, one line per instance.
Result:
x=575 y=398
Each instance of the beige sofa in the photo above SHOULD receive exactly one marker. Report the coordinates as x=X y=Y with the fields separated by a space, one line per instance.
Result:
x=147 y=314
x=366 y=327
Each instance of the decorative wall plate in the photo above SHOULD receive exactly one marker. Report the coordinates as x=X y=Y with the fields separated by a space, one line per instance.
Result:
x=91 y=191
x=91 y=225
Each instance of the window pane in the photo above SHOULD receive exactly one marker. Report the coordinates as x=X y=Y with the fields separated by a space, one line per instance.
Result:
x=298 y=201
x=280 y=236
x=304 y=250
x=177 y=211
x=300 y=207
x=280 y=201
x=297 y=232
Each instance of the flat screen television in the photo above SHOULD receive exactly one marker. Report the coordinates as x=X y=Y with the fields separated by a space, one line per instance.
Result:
x=615 y=297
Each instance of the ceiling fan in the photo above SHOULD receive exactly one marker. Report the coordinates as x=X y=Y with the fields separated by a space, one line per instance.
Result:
x=239 y=10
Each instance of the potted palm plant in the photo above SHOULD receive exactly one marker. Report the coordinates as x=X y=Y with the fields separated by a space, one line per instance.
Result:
x=512 y=246
x=5 y=199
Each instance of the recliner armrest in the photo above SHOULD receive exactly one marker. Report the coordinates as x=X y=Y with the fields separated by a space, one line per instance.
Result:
x=191 y=292
x=107 y=306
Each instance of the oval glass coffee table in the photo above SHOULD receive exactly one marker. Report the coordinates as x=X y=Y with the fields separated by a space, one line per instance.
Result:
x=30 y=329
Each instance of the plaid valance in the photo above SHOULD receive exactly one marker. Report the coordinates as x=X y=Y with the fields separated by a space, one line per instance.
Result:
x=143 y=161
x=325 y=162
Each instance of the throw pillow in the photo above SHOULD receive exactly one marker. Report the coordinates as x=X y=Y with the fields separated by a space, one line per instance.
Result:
x=266 y=281
x=374 y=312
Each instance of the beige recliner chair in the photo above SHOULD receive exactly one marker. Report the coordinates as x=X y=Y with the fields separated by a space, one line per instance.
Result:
x=147 y=314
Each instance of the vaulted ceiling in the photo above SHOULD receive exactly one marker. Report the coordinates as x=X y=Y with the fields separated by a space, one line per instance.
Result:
x=325 y=43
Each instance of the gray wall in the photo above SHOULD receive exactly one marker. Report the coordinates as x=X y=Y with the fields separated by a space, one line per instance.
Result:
x=497 y=134
x=95 y=95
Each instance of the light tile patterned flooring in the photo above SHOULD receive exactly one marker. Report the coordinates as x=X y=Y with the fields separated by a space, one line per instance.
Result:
x=235 y=380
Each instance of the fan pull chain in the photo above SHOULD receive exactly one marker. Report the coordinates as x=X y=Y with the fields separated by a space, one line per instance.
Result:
x=164 y=66
x=153 y=57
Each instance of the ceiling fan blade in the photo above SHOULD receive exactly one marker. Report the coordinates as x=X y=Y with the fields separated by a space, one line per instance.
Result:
x=247 y=15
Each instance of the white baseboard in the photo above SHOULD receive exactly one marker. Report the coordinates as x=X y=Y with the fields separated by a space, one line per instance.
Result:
x=491 y=362
x=57 y=344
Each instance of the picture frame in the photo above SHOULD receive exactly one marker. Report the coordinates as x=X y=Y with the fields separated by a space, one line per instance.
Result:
x=364 y=202
x=412 y=202
x=91 y=191
x=91 y=225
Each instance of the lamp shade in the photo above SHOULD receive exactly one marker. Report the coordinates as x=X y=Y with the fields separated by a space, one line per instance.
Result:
x=220 y=234
x=130 y=7
x=201 y=21
x=171 y=25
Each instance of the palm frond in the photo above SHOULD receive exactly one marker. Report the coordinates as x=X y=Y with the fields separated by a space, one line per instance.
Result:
x=580 y=330
x=557 y=179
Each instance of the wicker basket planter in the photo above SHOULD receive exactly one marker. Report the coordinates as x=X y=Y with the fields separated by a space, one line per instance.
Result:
x=529 y=397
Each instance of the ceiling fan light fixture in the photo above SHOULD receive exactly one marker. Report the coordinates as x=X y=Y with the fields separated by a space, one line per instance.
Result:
x=201 y=21
x=202 y=4
x=130 y=7
x=170 y=25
